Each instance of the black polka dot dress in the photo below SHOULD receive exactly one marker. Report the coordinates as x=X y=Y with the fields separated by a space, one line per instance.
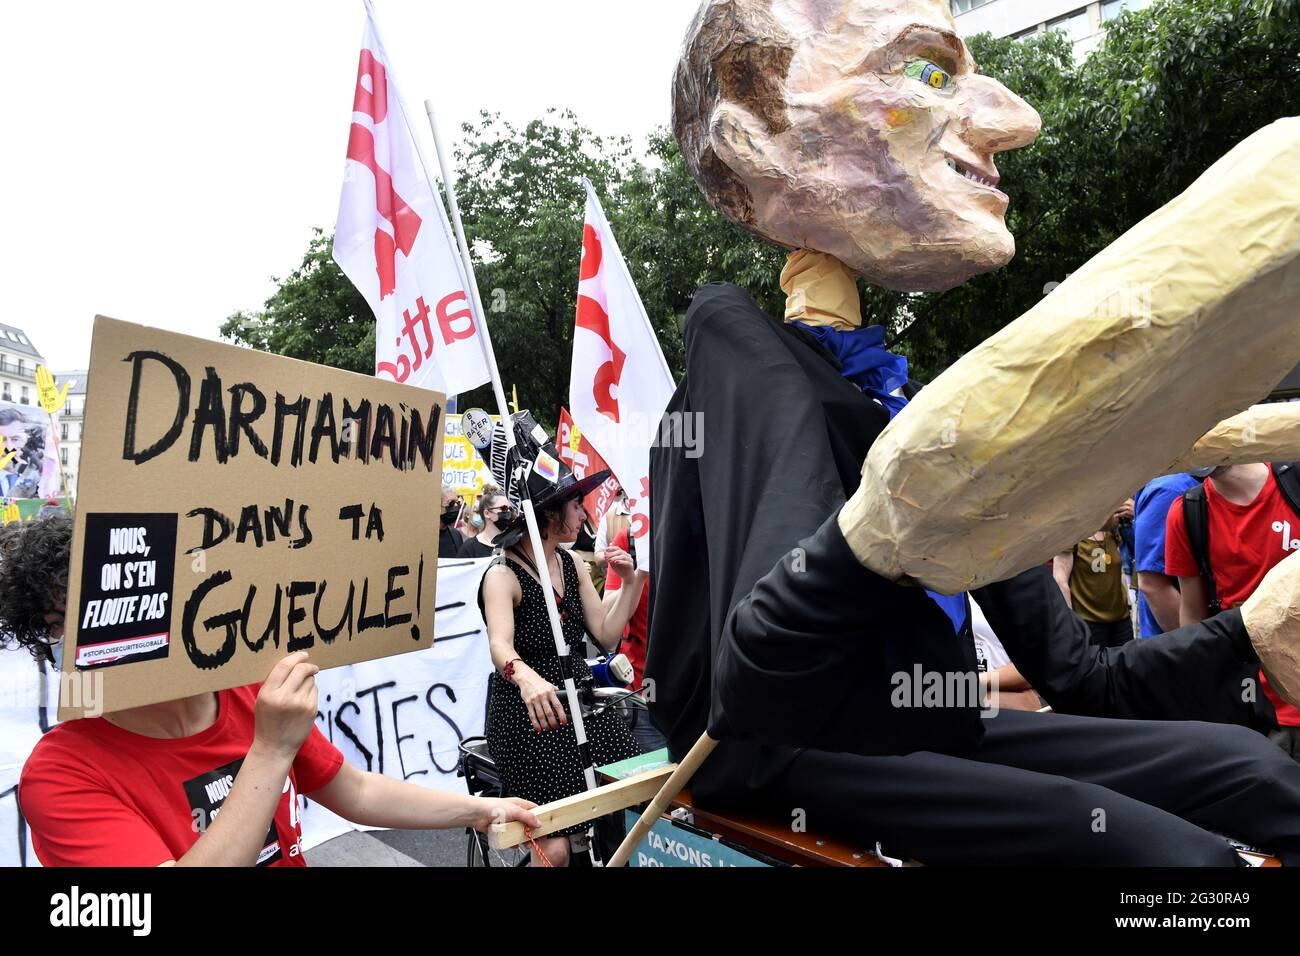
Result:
x=545 y=766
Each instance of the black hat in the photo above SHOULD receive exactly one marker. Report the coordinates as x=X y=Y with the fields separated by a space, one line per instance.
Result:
x=533 y=469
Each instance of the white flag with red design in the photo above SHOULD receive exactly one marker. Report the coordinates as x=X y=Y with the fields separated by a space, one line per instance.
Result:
x=619 y=384
x=393 y=241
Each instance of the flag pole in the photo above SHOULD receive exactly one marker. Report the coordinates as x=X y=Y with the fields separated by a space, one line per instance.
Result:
x=63 y=475
x=485 y=342
x=530 y=516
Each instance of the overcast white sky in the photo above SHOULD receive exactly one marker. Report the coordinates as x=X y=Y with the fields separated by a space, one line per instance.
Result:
x=162 y=160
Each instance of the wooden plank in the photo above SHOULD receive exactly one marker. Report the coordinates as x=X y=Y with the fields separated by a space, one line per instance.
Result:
x=774 y=838
x=583 y=807
x=777 y=840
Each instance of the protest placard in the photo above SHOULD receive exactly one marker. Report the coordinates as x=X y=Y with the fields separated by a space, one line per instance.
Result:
x=236 y=506
x=29 y=468
x=462 y=467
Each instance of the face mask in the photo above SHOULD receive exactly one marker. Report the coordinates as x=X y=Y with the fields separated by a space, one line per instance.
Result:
x=57 y=650
x=476 y=523
x=450 y=513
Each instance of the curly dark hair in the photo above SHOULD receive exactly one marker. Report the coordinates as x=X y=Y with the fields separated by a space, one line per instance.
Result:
x=550 y=516
x=34 y=560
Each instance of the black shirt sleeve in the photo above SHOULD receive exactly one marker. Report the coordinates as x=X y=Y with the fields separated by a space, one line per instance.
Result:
x=824 y=653
x=1206 y=671
x=474 y=548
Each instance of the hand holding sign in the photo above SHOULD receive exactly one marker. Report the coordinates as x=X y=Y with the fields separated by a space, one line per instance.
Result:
x=52 y=400
x=286 y=706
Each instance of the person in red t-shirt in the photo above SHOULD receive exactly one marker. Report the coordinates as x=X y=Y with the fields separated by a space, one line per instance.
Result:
x=1246 y=510
x=208 y=780
x=634 y=647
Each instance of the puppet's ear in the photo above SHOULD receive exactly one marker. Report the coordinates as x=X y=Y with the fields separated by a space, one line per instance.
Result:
x=745 y=144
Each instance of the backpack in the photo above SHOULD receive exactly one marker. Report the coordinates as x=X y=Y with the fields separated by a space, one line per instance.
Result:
x=1196 y=518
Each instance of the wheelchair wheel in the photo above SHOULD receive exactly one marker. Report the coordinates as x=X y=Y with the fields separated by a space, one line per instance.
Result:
x=478 y=853
x=476 y=850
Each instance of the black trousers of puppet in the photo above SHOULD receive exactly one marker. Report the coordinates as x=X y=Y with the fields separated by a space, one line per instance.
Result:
x=1047 y=789
x=1161 y=758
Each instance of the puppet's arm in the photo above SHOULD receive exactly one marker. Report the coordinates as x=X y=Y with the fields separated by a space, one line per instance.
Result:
x=1205 y=671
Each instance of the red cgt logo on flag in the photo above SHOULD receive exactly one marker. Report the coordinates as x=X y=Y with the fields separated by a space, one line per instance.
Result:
x=593 y=317
x=371 y=99
x=619 y=383
x=393 y=241
x=584 y=460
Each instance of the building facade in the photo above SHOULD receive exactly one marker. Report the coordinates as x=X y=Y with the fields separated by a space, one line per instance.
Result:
x=18 y=361
x=1082 y=21
x=72 y=421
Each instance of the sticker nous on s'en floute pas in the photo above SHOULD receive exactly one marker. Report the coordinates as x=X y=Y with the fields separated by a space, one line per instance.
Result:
x=126 y=587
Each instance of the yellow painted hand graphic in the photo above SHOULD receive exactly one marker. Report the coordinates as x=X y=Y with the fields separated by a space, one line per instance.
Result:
x=52 y=400
x=11 y=513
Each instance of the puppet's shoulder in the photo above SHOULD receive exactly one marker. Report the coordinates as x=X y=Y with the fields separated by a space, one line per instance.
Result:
x=721 y=316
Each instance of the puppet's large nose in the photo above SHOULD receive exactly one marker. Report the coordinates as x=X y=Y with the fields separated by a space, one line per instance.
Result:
x=997 y=119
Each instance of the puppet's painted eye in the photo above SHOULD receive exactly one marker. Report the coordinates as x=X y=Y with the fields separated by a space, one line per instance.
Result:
x=928 y=73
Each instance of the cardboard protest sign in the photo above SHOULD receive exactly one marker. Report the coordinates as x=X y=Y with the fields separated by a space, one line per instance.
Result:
x=405 y=717
x=237 y=506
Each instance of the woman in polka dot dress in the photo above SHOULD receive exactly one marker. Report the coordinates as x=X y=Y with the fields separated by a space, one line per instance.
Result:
x=529 y=730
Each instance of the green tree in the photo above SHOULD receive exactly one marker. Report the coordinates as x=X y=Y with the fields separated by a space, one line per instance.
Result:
x=315 y=314
x=523 y=204
x=674 y=243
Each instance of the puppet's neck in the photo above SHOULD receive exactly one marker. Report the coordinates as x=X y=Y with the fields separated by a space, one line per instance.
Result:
x=820 y=290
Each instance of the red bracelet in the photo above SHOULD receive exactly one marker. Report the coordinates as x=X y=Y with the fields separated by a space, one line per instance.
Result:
x=508 y=672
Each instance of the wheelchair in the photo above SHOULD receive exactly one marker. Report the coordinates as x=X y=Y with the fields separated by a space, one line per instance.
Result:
x=482 y=779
